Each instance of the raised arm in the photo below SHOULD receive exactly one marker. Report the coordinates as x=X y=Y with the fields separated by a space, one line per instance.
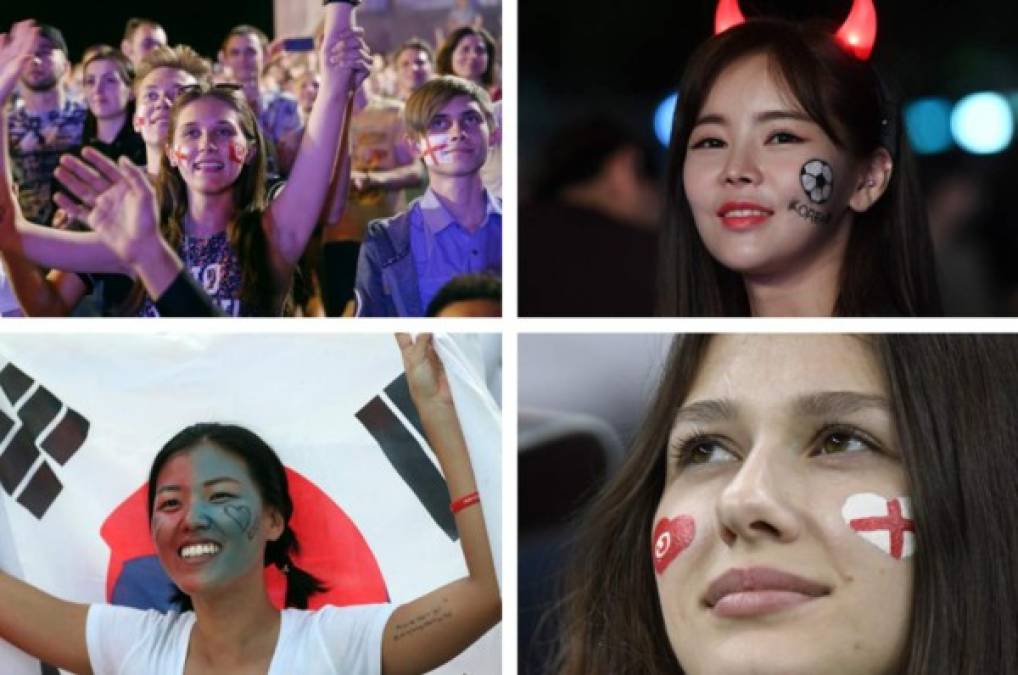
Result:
x=292 y=216
x=425 y=633
x=130 y=228
x=49 y=629
x=73 y=251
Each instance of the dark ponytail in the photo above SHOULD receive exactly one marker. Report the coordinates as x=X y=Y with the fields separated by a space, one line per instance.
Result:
x=269 y=476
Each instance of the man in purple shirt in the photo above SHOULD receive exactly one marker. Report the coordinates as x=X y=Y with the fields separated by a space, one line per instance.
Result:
x=455 y=228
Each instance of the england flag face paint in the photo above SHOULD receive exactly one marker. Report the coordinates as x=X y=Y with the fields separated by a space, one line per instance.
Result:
x=671 y=537
x=238 y=153
x=885 y=523
x=432 y=148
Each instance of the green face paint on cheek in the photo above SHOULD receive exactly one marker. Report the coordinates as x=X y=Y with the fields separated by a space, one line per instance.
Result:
x=229 y=507
x=215 y=523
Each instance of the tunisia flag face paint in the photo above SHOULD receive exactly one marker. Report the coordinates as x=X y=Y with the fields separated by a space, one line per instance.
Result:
x=885 y=523
x=671 y=537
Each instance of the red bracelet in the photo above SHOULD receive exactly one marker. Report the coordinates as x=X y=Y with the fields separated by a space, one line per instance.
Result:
x=465 y=501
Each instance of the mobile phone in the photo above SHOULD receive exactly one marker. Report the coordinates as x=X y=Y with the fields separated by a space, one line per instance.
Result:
x=301 y=44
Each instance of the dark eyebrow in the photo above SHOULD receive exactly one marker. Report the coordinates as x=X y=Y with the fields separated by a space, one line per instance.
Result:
x=208 y=483
x=222 y=479
x=839 y=403
x=766 y=116
x=706 y=412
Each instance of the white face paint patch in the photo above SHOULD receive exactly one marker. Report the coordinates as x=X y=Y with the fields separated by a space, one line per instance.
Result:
x=432 y=147
x=817 y=179
x=885 y=523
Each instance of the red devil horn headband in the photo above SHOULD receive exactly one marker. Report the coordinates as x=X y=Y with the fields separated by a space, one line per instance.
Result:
x=857 y=34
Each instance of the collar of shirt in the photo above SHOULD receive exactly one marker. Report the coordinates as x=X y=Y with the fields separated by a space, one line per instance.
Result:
x=436 y=217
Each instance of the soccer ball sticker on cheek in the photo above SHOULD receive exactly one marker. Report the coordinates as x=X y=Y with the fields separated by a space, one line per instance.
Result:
x=817 y=180
x=884 y=523
x=671 y=537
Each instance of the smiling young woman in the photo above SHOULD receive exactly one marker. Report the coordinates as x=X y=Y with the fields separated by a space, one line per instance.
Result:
x=792 y=193
x=841 y=514
x=220 y=512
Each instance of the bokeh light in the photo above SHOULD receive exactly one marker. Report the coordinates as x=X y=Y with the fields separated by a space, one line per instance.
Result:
x=982 y=123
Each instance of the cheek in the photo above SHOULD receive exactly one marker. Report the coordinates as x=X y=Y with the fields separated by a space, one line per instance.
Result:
x=238 y=152
x=162 y=526
x=816 y=178
x=239 y=520
x=670 y=538
x=431 y=146
x=183 y=154
x=882 y=522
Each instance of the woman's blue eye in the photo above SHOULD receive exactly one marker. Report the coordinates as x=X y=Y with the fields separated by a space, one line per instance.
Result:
x=222 y=496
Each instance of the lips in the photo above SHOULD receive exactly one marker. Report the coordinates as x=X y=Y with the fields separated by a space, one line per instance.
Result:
x=208 y=165
x=756 y=591
x=743 y=215
x=199 y=551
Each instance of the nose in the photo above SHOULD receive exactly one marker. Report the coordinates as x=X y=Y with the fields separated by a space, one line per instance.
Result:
x=196 y=518
x=755 y=506
x=741 y=167
x=206 y=142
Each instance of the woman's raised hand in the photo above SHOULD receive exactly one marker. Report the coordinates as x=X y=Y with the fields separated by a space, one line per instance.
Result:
x=346 y=59
x=15 y=52
x=424 y=370
x=118 y=203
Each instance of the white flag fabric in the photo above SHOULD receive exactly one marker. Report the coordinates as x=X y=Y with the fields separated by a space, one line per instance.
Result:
x=82 y=417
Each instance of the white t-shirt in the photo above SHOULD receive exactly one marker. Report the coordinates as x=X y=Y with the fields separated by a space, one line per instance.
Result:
x=331 y=640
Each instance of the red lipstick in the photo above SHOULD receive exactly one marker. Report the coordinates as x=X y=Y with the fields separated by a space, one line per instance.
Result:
x=756 y=591
x=741 y=216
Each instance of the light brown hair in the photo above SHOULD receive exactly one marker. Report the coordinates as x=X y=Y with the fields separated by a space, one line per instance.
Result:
x=433 y=95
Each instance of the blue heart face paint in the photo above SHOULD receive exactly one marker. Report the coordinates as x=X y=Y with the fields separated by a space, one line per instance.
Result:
x=206 y=523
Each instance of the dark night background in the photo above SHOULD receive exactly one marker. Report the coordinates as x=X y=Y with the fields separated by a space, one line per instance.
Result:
x=623 y=58
x=199 y=24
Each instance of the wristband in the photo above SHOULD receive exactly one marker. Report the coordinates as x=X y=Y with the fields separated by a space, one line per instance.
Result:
x=184 y=297
x=349 y=2
x=464 y=502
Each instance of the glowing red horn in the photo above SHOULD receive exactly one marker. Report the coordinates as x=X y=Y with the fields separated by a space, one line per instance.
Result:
x=727 y=15
x=859 y=31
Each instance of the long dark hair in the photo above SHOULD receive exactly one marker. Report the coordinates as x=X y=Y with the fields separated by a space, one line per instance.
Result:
x=443 y=58
x=888 y=267
x=953 y=404
x=269 y=476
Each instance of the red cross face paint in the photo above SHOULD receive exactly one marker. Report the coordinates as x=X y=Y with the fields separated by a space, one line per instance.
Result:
x=182 y=155
x=885 y=523
x=432 y=148
x=238 y=153
x=671 y=537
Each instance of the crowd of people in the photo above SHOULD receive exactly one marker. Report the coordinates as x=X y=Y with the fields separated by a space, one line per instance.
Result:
x=279 y=177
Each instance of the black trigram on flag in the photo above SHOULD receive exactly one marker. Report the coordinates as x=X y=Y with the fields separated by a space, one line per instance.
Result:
x=405 y=452
x=43 y=424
